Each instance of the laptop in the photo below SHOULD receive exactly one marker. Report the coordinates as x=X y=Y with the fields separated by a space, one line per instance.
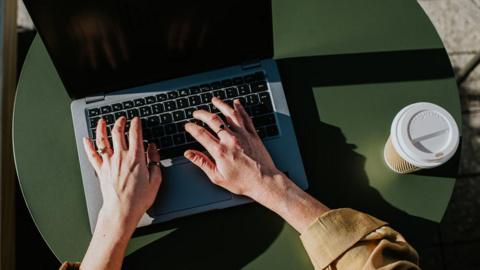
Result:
x=161 y=61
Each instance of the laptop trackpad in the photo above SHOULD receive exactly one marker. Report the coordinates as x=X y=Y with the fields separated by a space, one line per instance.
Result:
x=186 y=186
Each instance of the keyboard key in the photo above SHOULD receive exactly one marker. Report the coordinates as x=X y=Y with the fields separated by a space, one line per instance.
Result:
x=264 y=120
x=260 y=109
x=206 y=97
x=153 y=121
x=259 y=86
x=106 y=109
x=181 y=126
x=132 y=113
x=264 y=97
x=165 y=141
x=145 y=111
x=128 y=104
x=150 y=100
x=183 y=92
x=261 y=132
x=259 y=76
x=231 y=92
x=237 y=80
x=194 y=100
x=219 y=94
x=94 y=112
x=243 y=89
x=170 y=106
x=251 y=100
x=147 y=134
x=117 y=107
x=93 y=121
x=144 y=122
x=229 y=102
x=195 y=90
x=204 y=107
x=94 y=134
x=157 y=108
x=172 y=95
x=189 y=112
x=109 y=130
x=171 y=152
x=166 y=118
x=139 y=102
x=170 y=129
x=227 y=83
x=272 y=130
x=216 y=85
x=161 y=97
x=158 y=132
x=182 y=103
x=179 y=138
x=109 y=119
x=205 y=88
x=213 y=109
x=243 y=101
x=249 y=78
x=178 y=115
x=120 y=114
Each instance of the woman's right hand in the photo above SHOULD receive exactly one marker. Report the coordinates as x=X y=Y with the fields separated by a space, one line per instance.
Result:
x=239 y=161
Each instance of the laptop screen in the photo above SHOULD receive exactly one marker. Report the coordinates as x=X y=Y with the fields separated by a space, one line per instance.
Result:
x=107 y=45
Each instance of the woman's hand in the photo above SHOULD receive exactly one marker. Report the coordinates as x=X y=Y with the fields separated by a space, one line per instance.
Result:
x=242 y=165
x=128 y=186
x=240 y=161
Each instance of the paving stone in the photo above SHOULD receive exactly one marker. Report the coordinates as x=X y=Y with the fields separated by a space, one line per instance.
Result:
x=472 y=84
x=470 y=157
x=457 y=22
x=461 y=222
x=462 y=256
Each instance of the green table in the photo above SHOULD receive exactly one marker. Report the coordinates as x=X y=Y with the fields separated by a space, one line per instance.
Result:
x=358 y=62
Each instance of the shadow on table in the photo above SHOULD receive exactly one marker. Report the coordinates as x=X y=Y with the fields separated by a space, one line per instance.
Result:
x=335 y=171
x=230 y=239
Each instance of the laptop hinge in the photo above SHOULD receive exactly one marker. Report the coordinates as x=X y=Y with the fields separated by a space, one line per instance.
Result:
x=94 y=99
x=251 y=64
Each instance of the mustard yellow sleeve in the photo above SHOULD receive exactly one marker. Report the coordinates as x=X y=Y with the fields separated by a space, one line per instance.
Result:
x=70 y=266
x=348 y=239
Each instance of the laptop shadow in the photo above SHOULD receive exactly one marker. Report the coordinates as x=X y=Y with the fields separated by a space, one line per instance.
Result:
x=232 y=238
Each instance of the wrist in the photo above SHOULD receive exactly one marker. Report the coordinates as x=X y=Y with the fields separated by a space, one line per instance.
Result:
x=282 y=196
x=118 y=225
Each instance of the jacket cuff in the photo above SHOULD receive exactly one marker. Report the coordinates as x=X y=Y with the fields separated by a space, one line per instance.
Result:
x=70 y=266
x=335 y=232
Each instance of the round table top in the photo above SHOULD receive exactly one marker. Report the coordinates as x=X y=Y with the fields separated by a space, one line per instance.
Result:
x=347 y=68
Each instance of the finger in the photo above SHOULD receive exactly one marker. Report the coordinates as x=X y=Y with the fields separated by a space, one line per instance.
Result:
x=247 y=121
x=233 y=117
x=135 y=140
x=204 y=163
x=92 y=154
x=102 y=138
x=155 y=172
x=118 y=134
x=215 y=123
x=205 y=138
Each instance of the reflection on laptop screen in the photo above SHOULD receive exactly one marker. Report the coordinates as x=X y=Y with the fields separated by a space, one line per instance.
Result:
x=106 y=45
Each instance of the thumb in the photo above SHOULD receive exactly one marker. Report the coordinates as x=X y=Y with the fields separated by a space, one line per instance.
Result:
x=203 y=162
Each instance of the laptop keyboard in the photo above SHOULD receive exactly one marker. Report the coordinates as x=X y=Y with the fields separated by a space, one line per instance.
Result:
x=164 y=115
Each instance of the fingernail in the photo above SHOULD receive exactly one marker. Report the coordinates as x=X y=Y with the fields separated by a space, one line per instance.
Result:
x=188 y=154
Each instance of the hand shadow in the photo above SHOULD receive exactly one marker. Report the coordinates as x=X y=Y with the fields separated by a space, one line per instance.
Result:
x=336 y=173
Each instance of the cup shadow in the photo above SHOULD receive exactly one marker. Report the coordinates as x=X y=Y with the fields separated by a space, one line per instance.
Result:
x=232 y=238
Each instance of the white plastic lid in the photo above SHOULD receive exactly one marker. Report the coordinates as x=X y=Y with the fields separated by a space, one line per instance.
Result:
x=424 y=134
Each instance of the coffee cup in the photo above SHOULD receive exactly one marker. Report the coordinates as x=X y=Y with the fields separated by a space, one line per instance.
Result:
x=422 y=136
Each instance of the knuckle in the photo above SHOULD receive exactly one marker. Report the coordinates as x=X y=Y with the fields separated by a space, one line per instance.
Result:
x=214 y=117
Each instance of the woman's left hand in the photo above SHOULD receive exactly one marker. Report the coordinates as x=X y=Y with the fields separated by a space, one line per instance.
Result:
x=128 y=185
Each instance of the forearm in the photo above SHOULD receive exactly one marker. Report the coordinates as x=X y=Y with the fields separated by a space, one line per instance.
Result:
x=281 y=195
x=108 y=244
